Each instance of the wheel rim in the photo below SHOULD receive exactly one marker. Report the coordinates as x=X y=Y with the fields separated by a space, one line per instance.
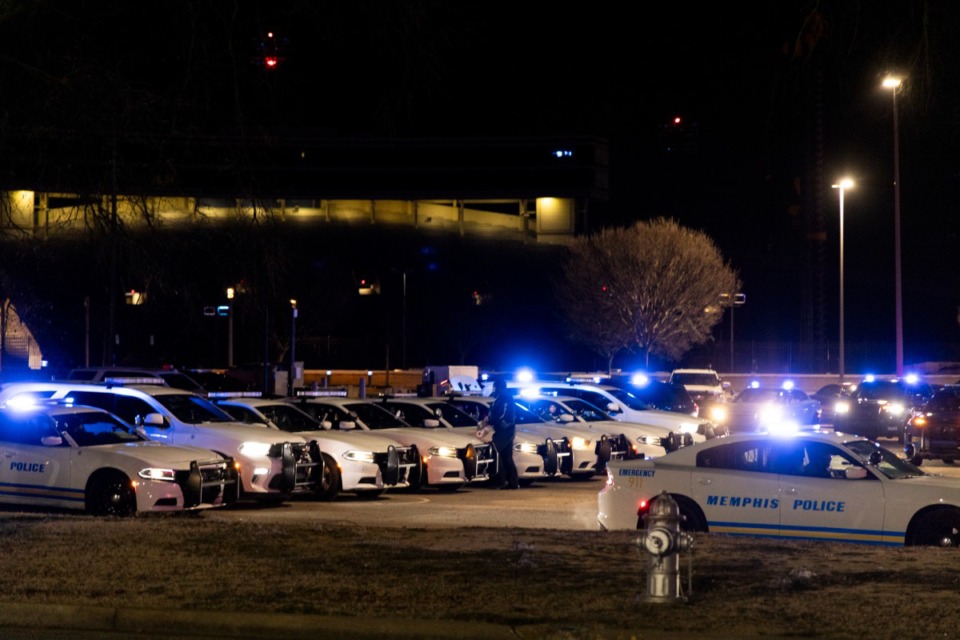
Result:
x=115 y=499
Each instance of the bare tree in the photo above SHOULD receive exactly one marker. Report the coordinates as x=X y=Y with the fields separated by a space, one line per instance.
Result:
x=655 y=286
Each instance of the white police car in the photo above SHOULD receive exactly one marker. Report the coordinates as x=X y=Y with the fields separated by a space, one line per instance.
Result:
x=450 y=460
x=85 y=458
x=818 y=486
x=355 y=461
x=272 y=465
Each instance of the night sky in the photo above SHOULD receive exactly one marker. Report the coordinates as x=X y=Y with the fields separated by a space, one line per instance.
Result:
x=776 y=104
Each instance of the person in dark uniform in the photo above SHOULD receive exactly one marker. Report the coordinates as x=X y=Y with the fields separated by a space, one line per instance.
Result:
x=503 y=420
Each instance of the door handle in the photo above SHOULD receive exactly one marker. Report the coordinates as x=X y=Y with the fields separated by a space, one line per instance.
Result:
x=791 y=491
x=705 y=481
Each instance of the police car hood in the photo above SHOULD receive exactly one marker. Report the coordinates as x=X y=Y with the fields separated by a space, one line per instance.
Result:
x=541 y=430
x=669 y=419
x=428 y=437
x=366 y=440
x=244 y=432
x=616 y=427
x=157 y=453
x=948 y=488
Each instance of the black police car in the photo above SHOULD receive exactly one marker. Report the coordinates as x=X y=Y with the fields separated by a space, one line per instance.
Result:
x=933 y=432
x=881 y=408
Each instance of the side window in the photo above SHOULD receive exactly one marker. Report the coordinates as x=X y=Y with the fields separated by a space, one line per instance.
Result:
x=132 y=410
x=788 y=458
x=741 y=456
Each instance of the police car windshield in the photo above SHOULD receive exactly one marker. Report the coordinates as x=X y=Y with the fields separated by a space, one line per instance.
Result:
x=524 y=416
x=629 y=399
x=889 y=465
x=192 y=409
x=586 y=411
x=374 y=417
x=289 y=418
x=453 y=415
x=92 y=428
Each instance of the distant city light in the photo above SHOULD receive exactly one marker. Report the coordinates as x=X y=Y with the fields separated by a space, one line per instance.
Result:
x=563 y=153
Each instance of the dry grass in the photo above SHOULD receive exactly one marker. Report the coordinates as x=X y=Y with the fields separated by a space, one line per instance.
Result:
x=582 y=582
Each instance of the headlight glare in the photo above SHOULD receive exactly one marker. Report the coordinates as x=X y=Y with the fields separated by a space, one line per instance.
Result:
x=443 y=452
x=359 y=456
x=153 y=473
x=255 y=449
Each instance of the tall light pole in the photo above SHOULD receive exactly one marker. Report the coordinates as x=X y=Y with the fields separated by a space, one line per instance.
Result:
x=293 y=347
x=843 y=185
x=893 y=84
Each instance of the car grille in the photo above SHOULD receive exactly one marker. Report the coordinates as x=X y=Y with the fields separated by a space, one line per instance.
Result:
x=397 y=463
x=302 y=467
x=479 y=460
x=209 y=483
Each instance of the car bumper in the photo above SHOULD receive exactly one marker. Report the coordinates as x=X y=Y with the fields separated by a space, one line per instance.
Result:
x=205 y=485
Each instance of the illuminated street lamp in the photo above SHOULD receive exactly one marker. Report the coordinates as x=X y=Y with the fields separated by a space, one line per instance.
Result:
x=843 y=185
x=893 y=84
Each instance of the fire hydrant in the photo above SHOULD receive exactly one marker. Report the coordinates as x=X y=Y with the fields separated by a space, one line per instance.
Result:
x=663 y=541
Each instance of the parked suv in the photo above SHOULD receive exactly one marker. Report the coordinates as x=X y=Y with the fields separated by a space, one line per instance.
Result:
x=933 y=433
x=273 y=464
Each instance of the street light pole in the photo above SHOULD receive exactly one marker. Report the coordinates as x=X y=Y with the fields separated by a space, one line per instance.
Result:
x=893 y=83
x=843 y=185
x=293 y=347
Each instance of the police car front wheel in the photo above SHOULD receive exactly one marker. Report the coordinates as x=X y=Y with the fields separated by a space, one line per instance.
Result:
x=940 y=528
x=111 y=494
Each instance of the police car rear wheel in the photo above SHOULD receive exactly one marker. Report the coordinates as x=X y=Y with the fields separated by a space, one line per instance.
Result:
x=111 y=495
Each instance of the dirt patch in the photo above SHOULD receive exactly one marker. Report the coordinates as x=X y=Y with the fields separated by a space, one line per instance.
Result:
x=581 y=583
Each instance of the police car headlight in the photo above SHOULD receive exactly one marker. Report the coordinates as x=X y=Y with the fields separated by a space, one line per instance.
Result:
x=255 y=449
x=688 y=427
x=718 y=413
x=163 y=475
x=771 y=414
x=525 y=447
x=894 y=409
x=578 y=442
x=841 y=407
x=359 y=456
x=650 y=440
x=443 y=452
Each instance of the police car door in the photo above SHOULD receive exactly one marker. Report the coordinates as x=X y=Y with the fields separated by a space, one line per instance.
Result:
x=35 y=466
x=817 y=499
x=737 y=491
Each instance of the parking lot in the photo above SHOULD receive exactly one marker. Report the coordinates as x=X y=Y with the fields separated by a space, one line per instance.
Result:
x=560 y=504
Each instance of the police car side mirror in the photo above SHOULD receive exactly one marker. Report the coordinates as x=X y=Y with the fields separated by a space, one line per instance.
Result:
x=326 y=425
x=433 y=423
x=564 y=418
x=855 y=473
x=613 y=407
x=51 y=441
x=154 y=420
x=725 y=385
x=346 y=425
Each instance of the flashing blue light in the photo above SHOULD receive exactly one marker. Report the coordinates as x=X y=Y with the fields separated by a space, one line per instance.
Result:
x=787 y=385
x=755 y=384
x=912 y=378
x=869 y=377
x=22 y=402
x=529 y=392
x=524 y=375
x=640 y=379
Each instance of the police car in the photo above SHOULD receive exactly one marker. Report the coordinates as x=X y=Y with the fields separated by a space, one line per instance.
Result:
x=529 y=463
x=272 y=465
x=84 y=458
x=625 y=406
x=817 y=486
x=451 y=460
x=355 y=461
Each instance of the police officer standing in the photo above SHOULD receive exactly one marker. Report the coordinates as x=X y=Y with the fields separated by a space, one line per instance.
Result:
x=503 y=420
